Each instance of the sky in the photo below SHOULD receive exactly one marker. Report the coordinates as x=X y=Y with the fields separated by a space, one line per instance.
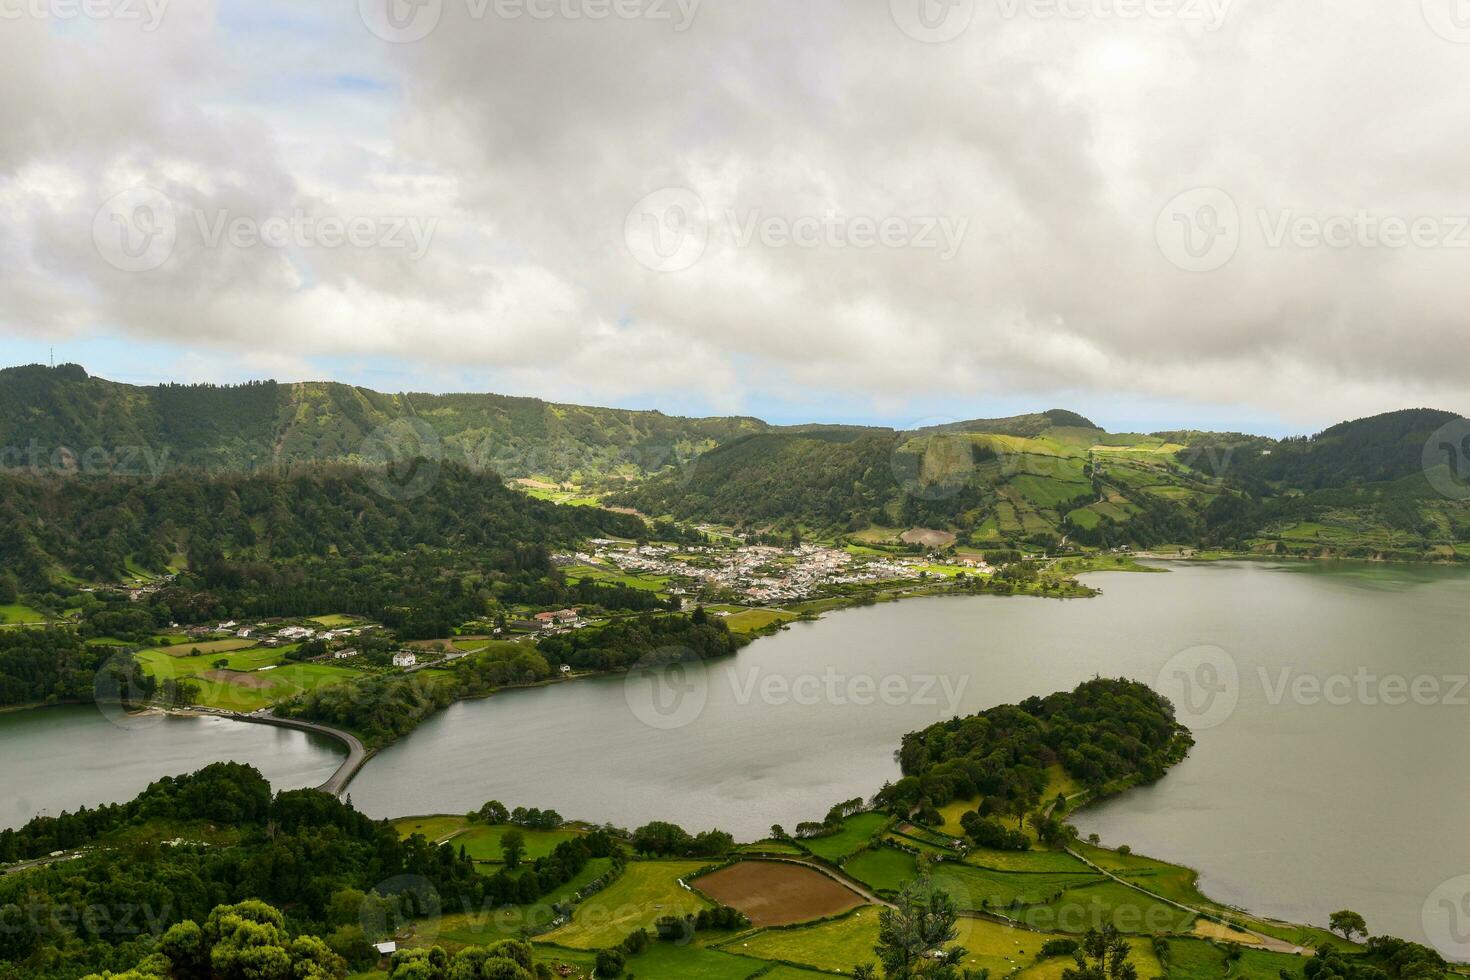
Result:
x=1216 y=214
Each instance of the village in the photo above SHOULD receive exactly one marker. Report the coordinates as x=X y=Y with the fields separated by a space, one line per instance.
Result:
x=762 y=574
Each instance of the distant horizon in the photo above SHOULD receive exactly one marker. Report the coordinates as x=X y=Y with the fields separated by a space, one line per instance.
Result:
x=1014 y=406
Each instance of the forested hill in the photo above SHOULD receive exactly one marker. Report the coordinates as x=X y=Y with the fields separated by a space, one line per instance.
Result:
x=102 y=424
x=1041 y=481
x=97 y=528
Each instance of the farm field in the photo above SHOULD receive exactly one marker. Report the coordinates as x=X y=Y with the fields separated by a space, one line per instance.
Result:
x=482 y=841
x=436 y=828
x=1026 y=861
x=646 y=891
x=15 y=613
x=1131 y=911
x=771 y=847
x=334 y=621
x=753 y=620
x=242 y=685
x=773 y=893
x=186 y=649
x=856 y=831
x=666 y=961
x=492 y=925
x=977 y=888
x=882 y=868
x=839 y=944
x=648 y=583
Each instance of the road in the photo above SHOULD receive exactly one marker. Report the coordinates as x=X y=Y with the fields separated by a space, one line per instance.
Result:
x=1263 y=941
x=357 y=753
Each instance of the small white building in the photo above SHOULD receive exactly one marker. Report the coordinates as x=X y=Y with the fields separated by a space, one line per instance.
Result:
x=404 y=659
x=566 y=668
x=344 y=653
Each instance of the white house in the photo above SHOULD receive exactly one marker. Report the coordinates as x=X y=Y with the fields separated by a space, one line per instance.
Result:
x=404 y=659
x=566 y=668
x=344 y=653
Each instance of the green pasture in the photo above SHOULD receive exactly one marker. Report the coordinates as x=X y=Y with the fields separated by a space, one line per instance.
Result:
x=646 y=891
x=839 y=944
x=856 y=831
x=18 y=613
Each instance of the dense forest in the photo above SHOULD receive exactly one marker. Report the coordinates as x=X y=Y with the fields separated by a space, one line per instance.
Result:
x=1104 y=730
x=383 y=708
x=93 y=526
x=1039 y=481
x=322 y=862
x=61 y=418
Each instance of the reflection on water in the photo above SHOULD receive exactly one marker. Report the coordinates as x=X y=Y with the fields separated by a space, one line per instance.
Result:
x=1291 y=806
x=56 y=759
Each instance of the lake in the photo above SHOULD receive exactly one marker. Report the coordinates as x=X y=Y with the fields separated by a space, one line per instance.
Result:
x=64 y=757
x=1319 y=780
x=1289 y=805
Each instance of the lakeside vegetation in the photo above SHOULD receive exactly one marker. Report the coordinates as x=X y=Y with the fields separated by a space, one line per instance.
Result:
x=110 y=587
x=313 y=883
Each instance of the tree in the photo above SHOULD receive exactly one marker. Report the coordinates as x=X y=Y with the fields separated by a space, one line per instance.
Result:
x=912 y=935
x=494 y=812
x=1348 y=923
x=609 y=963
x=1103 y=956
x=513 y=848
x=9 y=590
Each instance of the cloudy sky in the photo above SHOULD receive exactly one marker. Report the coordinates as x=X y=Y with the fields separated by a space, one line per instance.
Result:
x=1240 y=214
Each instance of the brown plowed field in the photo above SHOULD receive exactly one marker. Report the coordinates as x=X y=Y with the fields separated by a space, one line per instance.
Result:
x=775 y=894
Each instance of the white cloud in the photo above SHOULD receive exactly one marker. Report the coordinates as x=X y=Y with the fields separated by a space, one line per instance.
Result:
x=525 y=142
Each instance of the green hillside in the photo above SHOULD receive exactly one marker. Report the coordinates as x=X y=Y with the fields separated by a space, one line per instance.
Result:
x=1042 y=481
x=1027 y=480
x=56 y=415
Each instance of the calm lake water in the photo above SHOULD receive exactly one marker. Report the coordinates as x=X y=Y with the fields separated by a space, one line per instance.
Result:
x=1293 y=803
x=55 y=759
x=1289 y=805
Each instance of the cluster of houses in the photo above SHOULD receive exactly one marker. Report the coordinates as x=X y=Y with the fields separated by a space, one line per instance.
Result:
x=272 y=635
x=550 y=622
x=760 y=573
